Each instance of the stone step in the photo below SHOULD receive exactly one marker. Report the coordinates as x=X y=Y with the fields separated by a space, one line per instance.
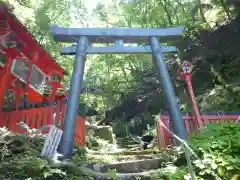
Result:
x=131 y=166
x=124 y=139
x=144 y=152
x=124 y=157
x=146 y=175
x=142 y=175
x=128 y=145
x=135 y=157
x=125 y=142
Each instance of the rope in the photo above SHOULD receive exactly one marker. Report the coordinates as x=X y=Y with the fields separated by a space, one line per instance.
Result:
x=188 y=151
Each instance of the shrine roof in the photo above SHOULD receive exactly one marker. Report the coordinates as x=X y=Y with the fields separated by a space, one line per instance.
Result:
x=44 y=60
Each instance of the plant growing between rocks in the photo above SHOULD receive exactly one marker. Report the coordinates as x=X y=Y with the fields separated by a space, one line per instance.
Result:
x=20 y=159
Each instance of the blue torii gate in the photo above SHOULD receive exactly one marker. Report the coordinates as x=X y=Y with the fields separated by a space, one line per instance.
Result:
x=84 y=38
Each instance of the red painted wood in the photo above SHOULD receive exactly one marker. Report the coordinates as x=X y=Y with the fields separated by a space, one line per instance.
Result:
x=192 y=125
x=80 y=131
x=43 y=60
x=208 y=117
x=12 y=122
x=27 y=118
x=188 y=126
x=5 y=80
x=29 y=48
x=33 y=119
x=50 y=113
x=57 y=116
x=37 y=117
x=194 y=101
x=62 y=114
x=45 y=117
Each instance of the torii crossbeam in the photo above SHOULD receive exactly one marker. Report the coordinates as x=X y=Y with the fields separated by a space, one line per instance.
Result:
x=84 y=38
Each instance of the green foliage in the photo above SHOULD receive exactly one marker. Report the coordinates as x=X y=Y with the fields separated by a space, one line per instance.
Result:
x=123 y=77
x=111 y=73
x=20 y=158
x=177 y=174
x=219 y=147
x=28 y=166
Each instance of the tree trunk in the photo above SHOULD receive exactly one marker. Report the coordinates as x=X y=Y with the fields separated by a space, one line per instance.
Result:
x=222 y=82
x=163 y=3
x=201 y=12
x=226 y=9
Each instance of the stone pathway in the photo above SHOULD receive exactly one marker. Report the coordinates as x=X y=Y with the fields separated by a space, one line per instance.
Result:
x=130 y=164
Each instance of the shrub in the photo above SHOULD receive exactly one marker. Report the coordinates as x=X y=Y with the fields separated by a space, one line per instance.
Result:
x=218 y=145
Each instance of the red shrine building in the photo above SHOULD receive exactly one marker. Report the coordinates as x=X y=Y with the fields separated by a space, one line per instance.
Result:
x=29 y=76
x=26 y=69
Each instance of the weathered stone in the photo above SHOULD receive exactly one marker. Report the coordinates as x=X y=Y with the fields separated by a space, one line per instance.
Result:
x=133 y=166
x=105 y=133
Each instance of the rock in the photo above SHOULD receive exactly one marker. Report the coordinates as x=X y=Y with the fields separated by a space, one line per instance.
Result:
x=132 y=166
x=180 y=160
x=105 y=133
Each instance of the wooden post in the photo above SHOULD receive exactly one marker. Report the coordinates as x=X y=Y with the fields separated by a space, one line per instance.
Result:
x=5 y=81
x=52 y=110
x=160 y=135
x=18 y=100
x=29 y=73
x=186 y=74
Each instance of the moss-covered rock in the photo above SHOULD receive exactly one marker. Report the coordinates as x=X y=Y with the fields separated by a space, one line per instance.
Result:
x=105 y=132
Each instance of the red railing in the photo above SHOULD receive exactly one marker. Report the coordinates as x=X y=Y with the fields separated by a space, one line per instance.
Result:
x=164 y=138
x=38 y=117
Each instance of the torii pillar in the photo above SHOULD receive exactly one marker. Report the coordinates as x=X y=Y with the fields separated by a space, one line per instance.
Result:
x=84 y=37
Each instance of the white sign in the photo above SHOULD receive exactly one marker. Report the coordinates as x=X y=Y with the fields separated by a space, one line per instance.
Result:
x=52 y=142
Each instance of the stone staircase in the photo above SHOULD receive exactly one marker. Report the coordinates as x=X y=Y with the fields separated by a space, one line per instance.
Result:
x=132 y=164
x=126 y=143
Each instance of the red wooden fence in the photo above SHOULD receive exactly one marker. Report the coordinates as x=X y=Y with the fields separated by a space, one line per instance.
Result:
x=38 y=117
x=164 y=138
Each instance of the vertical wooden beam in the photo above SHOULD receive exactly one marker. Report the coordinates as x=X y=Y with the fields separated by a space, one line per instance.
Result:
x=188 y=79
x=18 y=100
x=52 y=110
x=5 y=80
x=160 y=135
x=29 y=73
